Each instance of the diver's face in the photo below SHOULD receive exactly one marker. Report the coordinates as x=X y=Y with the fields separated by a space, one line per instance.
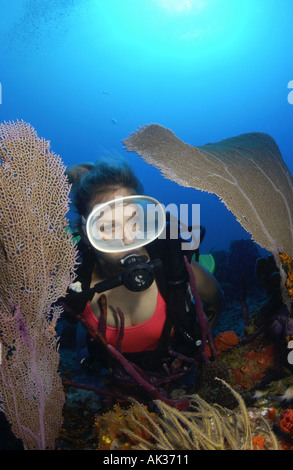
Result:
x=119 y=223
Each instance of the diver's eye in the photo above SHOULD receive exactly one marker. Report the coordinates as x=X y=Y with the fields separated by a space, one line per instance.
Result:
x=107 y=228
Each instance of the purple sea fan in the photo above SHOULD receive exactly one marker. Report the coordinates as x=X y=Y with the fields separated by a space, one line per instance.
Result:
x=37 y=259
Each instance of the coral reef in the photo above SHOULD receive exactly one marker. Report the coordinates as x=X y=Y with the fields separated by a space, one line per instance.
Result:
x=204 y=427
x=245 y=361
x=255 y=366
x=37 y=261
x=138 y=409
x=223 y=342
x=286 y=421
x=213 y=390
x=168 y=432
x=121 y=429
x=77 y=428
x=287 y=262
x=249 y=363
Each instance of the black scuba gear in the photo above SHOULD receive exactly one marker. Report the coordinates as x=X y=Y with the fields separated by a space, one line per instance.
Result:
x=181 y=328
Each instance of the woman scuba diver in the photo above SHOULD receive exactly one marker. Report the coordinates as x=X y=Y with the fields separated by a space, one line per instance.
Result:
x=141 y=273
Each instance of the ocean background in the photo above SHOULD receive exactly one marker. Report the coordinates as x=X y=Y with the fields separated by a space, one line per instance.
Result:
x=87 y=73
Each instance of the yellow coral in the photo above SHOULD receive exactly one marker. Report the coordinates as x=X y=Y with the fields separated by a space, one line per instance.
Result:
x=203 y=427
x=112 y=427
x=287 y=262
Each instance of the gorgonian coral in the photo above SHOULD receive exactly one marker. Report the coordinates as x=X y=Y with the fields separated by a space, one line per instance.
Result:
x=37 y=260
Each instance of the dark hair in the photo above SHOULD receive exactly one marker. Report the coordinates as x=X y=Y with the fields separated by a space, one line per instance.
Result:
x=91 y=182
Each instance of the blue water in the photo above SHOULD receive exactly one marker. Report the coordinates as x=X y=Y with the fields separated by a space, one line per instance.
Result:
x=87 y=73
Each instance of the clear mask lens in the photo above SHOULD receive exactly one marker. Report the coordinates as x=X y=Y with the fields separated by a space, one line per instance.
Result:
x=125 y=223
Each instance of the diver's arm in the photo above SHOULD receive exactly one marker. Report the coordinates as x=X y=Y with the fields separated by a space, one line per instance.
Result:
x=208 y=289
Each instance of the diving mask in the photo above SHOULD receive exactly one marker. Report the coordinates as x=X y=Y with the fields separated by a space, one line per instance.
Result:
x=125 y=223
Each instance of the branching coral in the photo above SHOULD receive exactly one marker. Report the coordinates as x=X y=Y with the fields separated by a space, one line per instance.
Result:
x=204 y=427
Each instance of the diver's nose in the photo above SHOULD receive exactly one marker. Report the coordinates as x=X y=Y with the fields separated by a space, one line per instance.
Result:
x=128 y=237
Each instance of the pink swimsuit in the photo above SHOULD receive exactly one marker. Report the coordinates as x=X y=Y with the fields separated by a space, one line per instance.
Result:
x=142 y=337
